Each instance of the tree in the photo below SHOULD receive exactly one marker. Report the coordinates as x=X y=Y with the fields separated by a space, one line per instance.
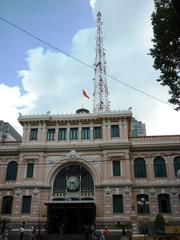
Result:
x=159 y=224
x=166 y=47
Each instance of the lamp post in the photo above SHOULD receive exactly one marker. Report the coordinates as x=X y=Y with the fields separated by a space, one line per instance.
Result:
x=143 y=203
x=178 y=174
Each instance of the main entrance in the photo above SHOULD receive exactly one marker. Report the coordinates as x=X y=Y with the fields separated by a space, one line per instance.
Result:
x=72 y=200
x=70 y=217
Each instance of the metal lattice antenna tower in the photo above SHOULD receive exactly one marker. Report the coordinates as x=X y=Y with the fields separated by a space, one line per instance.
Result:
x=101 y=102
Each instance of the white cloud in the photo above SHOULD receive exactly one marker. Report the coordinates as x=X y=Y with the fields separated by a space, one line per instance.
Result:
x=12 y=102
x=92 y=3
x=57 y=80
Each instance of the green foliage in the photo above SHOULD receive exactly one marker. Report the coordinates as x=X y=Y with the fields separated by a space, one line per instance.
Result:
x=4 y=220
x=166 y=48
x=159 y=223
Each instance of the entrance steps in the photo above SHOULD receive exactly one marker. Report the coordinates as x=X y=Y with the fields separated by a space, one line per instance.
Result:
x=65 y=237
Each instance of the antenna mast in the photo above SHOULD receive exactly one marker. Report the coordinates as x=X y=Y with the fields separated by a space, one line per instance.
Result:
x=101 y=102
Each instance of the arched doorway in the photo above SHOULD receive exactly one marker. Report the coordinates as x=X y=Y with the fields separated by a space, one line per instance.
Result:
x=72 y=200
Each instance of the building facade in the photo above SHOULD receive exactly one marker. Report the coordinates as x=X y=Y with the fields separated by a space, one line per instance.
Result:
x=82 y=168
x=137 y=128
x=8 y=133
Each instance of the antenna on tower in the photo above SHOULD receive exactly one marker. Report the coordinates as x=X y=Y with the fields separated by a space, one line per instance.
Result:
x=101 y=102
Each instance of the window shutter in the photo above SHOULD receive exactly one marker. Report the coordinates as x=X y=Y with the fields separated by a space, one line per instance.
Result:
x=97 y=132
x=140 y=168
x=115 y=131
x=160 y=167
x=116 y=168
x=11 y=172
x=7 y=205
x=117 y=204
x=62 y=134
x=30 y=170
x=26 y=204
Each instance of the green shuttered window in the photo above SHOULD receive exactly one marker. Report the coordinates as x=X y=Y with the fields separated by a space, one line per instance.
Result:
x=116 y=168
x=140 y=168
x=30 y=170
x=74 y=133
x=117 y=203
x=85 y=133
x=33 y=134
x=164 y=203
x=160 y=167
x=62 y=134
x=97 y=133
x=7 y=205
x=115 y=131
x=11 y=172
x=26 y=204
x=50 y=134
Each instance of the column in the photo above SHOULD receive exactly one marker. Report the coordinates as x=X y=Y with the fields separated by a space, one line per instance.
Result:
x=150 y=169
x=25 y=133
x=68 y=132
x=40 y=168
x=91 y=131
x=121 y=129
x=56 y=132
x=170 y=168
x=108 y=130
x=43 y=137
x=21 y=169
x=79 y=132
x=125 y=130
x=104 y=132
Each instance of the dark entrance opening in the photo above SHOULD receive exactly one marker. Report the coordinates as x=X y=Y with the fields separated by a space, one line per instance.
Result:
x=70 y=216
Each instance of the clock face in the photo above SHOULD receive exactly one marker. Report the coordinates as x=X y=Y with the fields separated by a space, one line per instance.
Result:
x=72 y=183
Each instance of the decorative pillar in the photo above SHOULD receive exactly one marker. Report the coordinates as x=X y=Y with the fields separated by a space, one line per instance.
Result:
x=68 y=132
x=25 y=133
x=43 y=138
x=79 y=132
x=56 y=133
x=108 y=130
x=104 y=132
x=120 y=129
x=91 y=131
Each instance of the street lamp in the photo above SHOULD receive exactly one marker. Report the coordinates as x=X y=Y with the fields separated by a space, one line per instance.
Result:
x=143 y=203
x=178 y=173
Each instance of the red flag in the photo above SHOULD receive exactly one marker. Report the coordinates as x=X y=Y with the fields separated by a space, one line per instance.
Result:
x=85 y=94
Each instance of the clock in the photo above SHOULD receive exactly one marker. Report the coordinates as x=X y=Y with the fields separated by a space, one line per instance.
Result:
x=72 y=183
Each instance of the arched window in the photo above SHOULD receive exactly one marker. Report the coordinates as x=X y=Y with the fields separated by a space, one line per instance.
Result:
x=160 y=167
x=164 y=203
x=140 y=168
x=176 y=165
x=11 y=172
x=7 y=205
x=142 y=203
x=73 y=178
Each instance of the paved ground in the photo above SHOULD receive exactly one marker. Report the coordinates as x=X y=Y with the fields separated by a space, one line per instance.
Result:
x=50 y=237
x=66 y=237
x=63 y=237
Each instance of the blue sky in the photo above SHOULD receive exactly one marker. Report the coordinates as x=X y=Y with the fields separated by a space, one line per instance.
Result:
x=36 y=79
x=54 y=21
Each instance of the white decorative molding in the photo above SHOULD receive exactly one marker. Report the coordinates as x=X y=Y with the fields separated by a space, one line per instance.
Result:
x=35 y=192
x=152 y=191
x=73 y=155
x=18 y=192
